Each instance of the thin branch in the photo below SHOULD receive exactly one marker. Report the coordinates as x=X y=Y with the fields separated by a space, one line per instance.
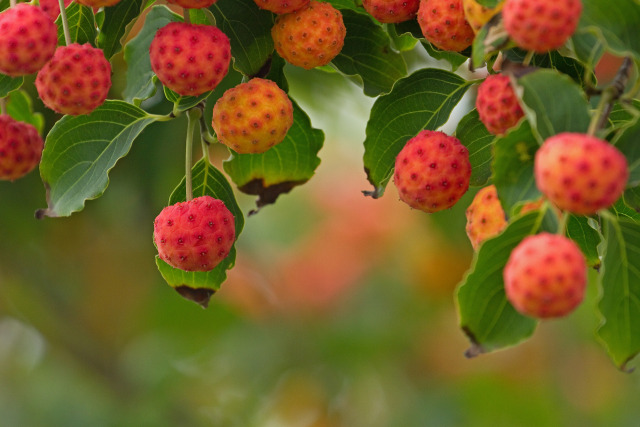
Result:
x=65 y=23
x=609 y=96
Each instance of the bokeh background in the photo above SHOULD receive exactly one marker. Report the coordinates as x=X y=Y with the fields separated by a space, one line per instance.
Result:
x=340 y=311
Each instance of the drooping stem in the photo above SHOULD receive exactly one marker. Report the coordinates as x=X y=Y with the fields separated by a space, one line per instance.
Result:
x=12 y=3
x=3 y=105
x=609 y=96
x=562 y=223
x=65 y=23
x=192 y=118
x=528 y=57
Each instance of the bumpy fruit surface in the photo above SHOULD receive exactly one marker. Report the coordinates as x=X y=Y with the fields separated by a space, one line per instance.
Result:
x=485 y=216
x=28 y=39
x=443 y=24
x=545 y=276
x=253 y=116
x=194 y=235
x=391 y=11
x=497 y=104
x=98 y=3
x=76 y=80
x=190 y=59
x=193 y=4
x=310 y=37
x=20 y=148
x=282 y=6
x=432 y=171
x=477 y=15
x=541 y=25
x=579 y=173
x=52 y=7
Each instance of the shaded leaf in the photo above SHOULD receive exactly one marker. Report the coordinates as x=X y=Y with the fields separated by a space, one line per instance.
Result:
x=20 y=108
x=475 y=136
x=9 y=84
x=82 y=25
x=456 y=59
x=627 y=143
x=552 y=60
x=183 y=103
x=423 y=100
x=117 y=23
x=587 y=237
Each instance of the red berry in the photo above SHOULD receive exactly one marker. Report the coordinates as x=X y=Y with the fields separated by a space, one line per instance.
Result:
x=190 y=59
x=392 y=11
x=485 y=216
x=282 y=6
x=194 y=235
x=541 y=25
x=443 y=24
x=545 y=276
x=253 y=116
x=310 y=37
x=20 y=148
x=28 y=39
x=497 y=104
x=76 y=80
x=579 y=173
x=432 y=171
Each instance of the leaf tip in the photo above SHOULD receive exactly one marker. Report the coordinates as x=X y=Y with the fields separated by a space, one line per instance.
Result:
x=475 y=349
x=200 y=296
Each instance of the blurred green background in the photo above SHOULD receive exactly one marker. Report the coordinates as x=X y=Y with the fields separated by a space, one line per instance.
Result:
x=339 y=313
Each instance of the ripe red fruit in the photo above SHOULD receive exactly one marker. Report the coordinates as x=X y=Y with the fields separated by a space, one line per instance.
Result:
x=282 y=6
x=443 y=24
x=497 y=104
x=541 y=25
x=193 y=4
x=579 y=173
x=28 y=39
x=98 y=3
x=52 y=7
x=485 y=216
x=310 y=37
x=76 y=80
x=190 y=59
x=392 y=11
x=253 y=116
x=194 y=235
x=432 y=171
x=20 y=148
x=545 y=276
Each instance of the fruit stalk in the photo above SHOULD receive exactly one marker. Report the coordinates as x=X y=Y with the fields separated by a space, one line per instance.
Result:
x=609 y=96
x=65 y=23
x=193 y=115
x=3 y=105
x=12 y=3
x=186 y=16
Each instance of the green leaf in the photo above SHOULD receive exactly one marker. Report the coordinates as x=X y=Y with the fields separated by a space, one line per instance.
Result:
x=344 y=4
x=410 y=27
x=588 y=47
x=553 y=103
x=20 y=108
x=580 y=230
x=249 y=31
x=82 y=25
x=81 y=150
x=632 y=198
x=615 y=22
x=183 y=103
x=627 y=143
x=199 y=286
x=423 y=100
x=488 y=3
x=487 y=318
x=140 y=81
x=118 y=21
x=9 y=84
x=475 y=136
x=552 y=60
x=401 y=42
x=513 y=167
x=619 y=305
x=456 y=59
x=282 y=167
x=367 y=53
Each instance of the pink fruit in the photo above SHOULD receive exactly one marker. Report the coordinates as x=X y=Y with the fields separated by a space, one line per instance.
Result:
x=391 y=11
x=541 y=25
x=281 y=7
x=76 y=80
x=432 y=171
x=253 y=116
x=194 y=235
x=52 y=7
x=310 y=37
x=545 y=276
x=190 y=59
x=485 y=216
x=193 y=4
x=579 y=173
x=443 y=24
x=20 y=148
x=497 y=104
x=28 y=39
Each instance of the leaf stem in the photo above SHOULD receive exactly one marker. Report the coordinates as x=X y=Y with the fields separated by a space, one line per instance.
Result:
x=609 y=96
x=12 y=3
x=185 y=14
x=528 y=57
x=562 y=224
x=65 y=23
x=192 y=118
x=3 y=105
